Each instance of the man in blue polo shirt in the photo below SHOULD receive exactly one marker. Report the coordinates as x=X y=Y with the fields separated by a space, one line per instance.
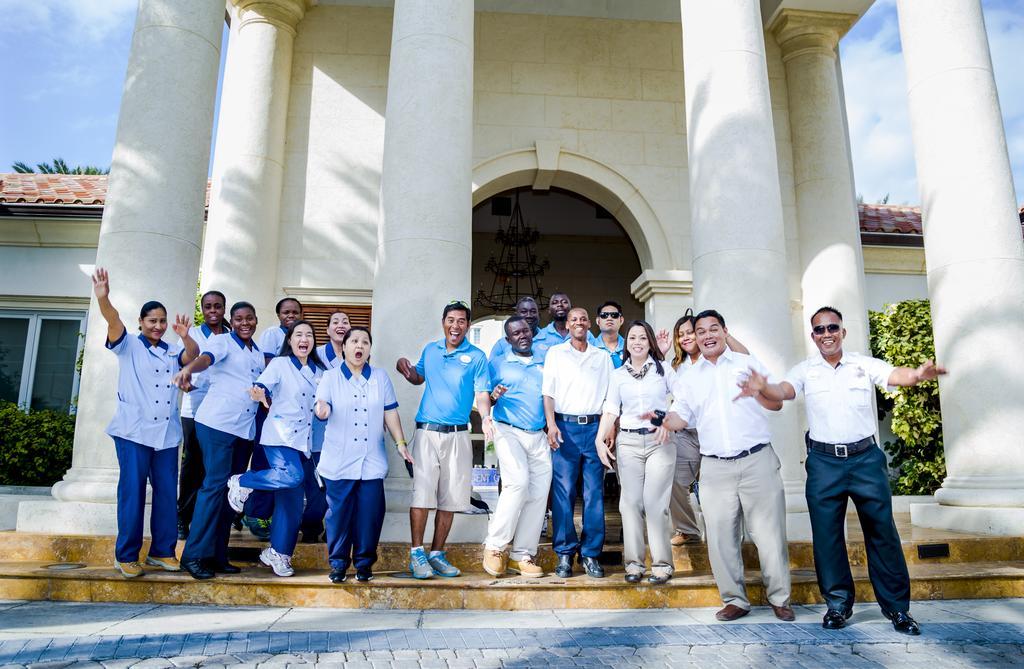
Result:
x=453 y=370
x=523 y=456
x=609 y=322
x=527 y=308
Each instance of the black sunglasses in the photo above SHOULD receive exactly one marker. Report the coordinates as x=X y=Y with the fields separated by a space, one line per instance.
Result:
x=831 y=327
x=609 y=314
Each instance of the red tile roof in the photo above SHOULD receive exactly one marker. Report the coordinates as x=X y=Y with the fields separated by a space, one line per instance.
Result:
x=75 y=189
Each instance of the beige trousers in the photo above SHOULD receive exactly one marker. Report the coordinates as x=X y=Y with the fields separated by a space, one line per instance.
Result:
x=684 y=517
x=524 y=460
x=645 y=476
x=746 y=493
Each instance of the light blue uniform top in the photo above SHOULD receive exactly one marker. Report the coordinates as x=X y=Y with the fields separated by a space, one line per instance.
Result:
x=522 y=405
x=616 y=354
x=147 y=401
x=353 y=447
x=451 y=380
x=543 y=339
x=191 y=400
x=271 y=340
x=291 y=387
x=234 y=368
x=332 y=360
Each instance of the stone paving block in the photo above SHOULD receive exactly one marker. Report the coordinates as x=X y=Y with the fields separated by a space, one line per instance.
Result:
x=186 y=660
x=324 y=665
x=120 y=663
x=154 y=663
x=85 y=664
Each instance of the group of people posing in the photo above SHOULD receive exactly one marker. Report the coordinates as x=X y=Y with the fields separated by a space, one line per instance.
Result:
x=561 y=406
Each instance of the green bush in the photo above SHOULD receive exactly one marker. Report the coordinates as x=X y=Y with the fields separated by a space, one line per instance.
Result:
x=902 y=334
x=35 y=447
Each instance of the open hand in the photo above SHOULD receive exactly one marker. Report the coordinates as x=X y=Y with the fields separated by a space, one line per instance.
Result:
x=929 y=370
x=259 y=394
x=183 y=380
x=101 y=283
x=181 y=325
x=664 y=341
x=754 y=383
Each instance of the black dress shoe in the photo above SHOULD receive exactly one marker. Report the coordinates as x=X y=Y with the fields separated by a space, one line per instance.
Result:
x=903 y=623
x=197 y=569
x=564 y=567
x=364 y=575
x=224 y=568
x=658 y=579
x=633 y=577
x=592 y=567
x=338 y=576
x=835 y=620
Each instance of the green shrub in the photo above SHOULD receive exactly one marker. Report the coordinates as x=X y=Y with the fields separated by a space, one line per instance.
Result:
x=902 y=334
x=35 y=447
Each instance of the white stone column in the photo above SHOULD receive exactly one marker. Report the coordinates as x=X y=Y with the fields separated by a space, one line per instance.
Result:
x=739 y=256
x=425 y=235
x=975 y=260
x=240 y=251
x=830 y=249
x=666 y=295
x=151 y=230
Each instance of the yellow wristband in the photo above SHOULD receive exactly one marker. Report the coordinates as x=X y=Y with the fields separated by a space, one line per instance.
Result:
x=401 y=442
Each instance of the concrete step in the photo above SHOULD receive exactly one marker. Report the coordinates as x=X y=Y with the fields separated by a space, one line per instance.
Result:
x=257 y=586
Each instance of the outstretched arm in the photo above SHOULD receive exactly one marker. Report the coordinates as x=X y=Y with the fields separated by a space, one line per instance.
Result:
x=101 y=288
x=180 y=327
x=768 y=395
x=905 y=376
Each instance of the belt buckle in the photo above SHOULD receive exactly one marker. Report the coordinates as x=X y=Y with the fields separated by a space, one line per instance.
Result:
x=841 y=451
x=582 y=420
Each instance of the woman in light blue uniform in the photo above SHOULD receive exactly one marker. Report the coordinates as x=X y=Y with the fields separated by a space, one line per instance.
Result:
x=146 y=428
x=226 y=425
x=358 y=402
x=316 y=501
x=286 y=388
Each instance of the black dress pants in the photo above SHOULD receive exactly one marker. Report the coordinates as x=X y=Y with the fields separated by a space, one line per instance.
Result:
x=192 y=472
x=863 y=477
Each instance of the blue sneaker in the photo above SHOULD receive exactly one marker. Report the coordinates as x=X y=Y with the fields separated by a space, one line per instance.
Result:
x=418 y=564
x=441 y=565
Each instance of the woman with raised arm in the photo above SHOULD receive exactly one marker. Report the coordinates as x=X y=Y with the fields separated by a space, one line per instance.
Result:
x=146 y=428
x=286 y=388
x=638 y=388
x=225 y=425
x=358 y=402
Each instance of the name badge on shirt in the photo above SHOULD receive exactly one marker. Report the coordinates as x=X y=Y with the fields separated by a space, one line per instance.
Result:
x=465 y=359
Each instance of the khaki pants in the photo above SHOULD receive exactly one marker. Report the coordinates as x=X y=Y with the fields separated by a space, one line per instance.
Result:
x=684 y=517
x=645 y=474
x=524 y=459
x=746 y=493
x=442 y=476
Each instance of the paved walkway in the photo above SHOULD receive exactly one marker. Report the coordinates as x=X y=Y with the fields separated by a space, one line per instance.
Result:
x=55 y=635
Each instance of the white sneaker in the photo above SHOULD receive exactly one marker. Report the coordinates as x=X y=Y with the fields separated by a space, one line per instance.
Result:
x=281 y=564
x=237 y=494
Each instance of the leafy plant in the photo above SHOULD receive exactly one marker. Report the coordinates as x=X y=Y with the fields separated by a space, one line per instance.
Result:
x=58 y=166
x=35 y=446
x=902 y=335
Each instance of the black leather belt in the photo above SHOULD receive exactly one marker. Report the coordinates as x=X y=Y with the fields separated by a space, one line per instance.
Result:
x=438 y=427
x=641 y=430
x=741 y=454
x=505 y=422
x=841 y=450
x=579 y=420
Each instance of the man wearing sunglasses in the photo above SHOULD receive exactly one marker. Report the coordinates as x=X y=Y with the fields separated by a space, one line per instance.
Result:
x=844 y=462
x=609 y=322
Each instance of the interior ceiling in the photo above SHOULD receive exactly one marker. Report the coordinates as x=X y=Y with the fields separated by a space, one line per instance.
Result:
x=553 y=212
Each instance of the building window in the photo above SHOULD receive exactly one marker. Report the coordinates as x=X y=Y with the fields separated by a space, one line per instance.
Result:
x=38 y=351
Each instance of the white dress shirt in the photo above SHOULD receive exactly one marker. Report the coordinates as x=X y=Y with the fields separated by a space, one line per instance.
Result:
x=629 y=397
x=147 y=400
x=703 y=397
x=577 y=380
x=290 y=386
x=838 y=399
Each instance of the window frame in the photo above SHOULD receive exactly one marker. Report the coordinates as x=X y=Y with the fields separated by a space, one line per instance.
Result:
x=28 y=374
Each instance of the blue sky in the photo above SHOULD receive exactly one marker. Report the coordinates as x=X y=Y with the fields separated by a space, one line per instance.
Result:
x=67 y=58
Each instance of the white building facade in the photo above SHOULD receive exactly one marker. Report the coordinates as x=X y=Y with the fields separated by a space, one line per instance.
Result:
x=355 y=141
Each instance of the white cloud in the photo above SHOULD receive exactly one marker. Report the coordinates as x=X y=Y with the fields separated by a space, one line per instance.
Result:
x=874 y=77
x=90 y=20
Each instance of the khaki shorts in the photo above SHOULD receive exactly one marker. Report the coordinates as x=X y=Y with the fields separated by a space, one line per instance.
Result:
x=442 y=476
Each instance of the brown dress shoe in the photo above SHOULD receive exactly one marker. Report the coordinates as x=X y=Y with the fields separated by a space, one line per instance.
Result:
x=679 y=538
x=730 y=613
x=783 y=613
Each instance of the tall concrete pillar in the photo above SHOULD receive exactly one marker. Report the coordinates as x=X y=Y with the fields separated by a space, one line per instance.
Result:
x=739 y=256
x=151 y=231
x=830 y=251
x=425 y=235
x=975 y=260
x=240 y=251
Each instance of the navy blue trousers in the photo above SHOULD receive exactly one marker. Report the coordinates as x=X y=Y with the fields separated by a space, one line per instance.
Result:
x=576 y=457
x=137 y=463
x=864 y=478
x=355 y=516
x=282 y=481
x=224 y=454
x=260 y=503
x=316 y=500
